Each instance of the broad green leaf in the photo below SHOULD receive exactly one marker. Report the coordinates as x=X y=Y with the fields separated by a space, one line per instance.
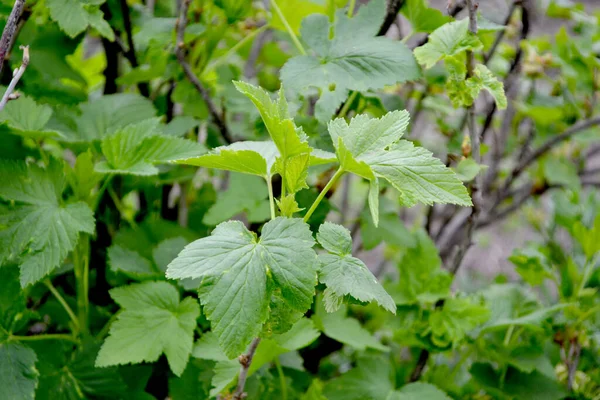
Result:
x=107 y=115
x=131 y=263
x=517 y=384
x=244 y=194
x=561 y=171
x=351 y=58
x=423 y=18
x=370 y=379
x=207 y=348
x=75 y=16
x=28 y=119
x=390 y=230
x=467 y=169
x=450 y=324
x=345 y=275
x=344 y=329
x=153 y=321
x=372 y=147
x=135 y=148
x=239 y=271
x=37 y=230
x=180 y=125
x=194 y=383
x=418 y=391
x=18 y=375
x=449 y=39
x=421 y=277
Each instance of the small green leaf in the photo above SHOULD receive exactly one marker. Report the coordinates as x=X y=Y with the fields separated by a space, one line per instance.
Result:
x=423 y=18
x=239 y=272
x=488 y=81
x=74 y=17
x=346 y=275
x=28 y=119
x=18 y=375
x=153 y=321
x=449 y=39
x=288 y=206
x=131 y=263
x=450 y=324
x=467 y=169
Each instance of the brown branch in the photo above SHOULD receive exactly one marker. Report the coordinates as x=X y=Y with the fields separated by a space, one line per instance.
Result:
x=218 y=118
x=9 y=30
x=487 y=56
x=245 y=361
x=420 y=366
x=393 y=7
x=130 y=52
x=8 y=94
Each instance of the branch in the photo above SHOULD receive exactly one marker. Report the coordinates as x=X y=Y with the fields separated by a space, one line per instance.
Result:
x=130 y=53
x=393 y=8
x=245 y=361
x=189 y=73
x=8 y=95
x=9 y=30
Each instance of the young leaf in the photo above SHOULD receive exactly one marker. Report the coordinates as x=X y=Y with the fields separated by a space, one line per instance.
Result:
x=153 y=321
x=239 y=272
x=423 y=18
x=18 y=375
x=346 y=275
x=371 y=148
x=28 y=119
x=74 y=17
x=38 y=230
x=448 y=40
x=450 y=324
x=133 y=149
x=353 y=59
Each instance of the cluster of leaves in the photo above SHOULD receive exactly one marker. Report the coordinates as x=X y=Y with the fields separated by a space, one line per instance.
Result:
x=118 y=250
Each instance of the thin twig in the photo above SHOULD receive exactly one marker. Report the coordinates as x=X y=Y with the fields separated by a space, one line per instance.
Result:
x=245 y=361
x=189 y=73
x=8 y=95
x=487 y=56
x=130 y=52
x=393 y=7
x=9 y=30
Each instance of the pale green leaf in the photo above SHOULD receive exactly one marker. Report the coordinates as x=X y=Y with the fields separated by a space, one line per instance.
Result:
x=371 y=379
x=488 y=81
x=450 y=324
x=131 y=263
x=288 y=206
x=390 y=230
x=24 y=117
x=418 y=391
x=351 y=58
x=448 y=40
x=75 y=16
x=467 y=169
x=294 y=11
x=239 y=271
x=423 y=18
x=345 y=275
x=207 y=348
x=152 y=321
x=18 y=375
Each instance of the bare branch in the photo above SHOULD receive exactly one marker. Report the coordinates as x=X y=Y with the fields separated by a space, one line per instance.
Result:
x=9 y=95
x=130 y=52
x=191 y=76
x=393 y=7
x=245 y=361
x=9 y=30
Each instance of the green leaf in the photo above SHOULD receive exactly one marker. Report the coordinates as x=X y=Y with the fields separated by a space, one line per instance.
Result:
x=239 y=272
x=450 y=324
x=531 y=265
x=423 y=18
x=107 y=115
x=371 y=379
x=294 y=12
x=467 y=169
x=589 y=239
x=485 y=79
x=351 y=58
x=28 y=119
x=153 y=321
x=419 y=391
x=207 y=348
x=38 y=231
x=345 y=275
x=449 y=39
x=422 y=279
x=390 y=230
x=75 y=16
x=131 y=263
x=288 y=206
x=345 y=330
x=83 y=179
x=194 y=383
x=18 y=375
x=371 y=147
x=244 y=194
x=135 y=148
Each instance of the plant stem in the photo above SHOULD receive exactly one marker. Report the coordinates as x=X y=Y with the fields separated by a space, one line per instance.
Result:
x=288 y=28
x=281 y=379
x=314 y=206
x=347 y=104
x=271 y=199
x=245 y=361
x=50 y=336
x=9 y=30
x=234 y=49
x=81 y=259
x=351 y=8
x=63 y=302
